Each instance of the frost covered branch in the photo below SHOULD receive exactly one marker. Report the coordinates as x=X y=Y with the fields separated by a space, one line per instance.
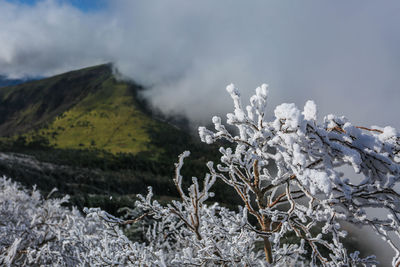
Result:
x=309 y=187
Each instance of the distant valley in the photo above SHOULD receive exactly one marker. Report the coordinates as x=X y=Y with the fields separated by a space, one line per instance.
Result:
x=4 y=81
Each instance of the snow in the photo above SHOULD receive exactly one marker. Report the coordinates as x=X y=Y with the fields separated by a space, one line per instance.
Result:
x=310 y=111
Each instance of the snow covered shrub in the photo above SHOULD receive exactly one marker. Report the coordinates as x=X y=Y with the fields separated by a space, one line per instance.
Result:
x=41 y=232
x=35 y=231
x=308 y=195
x=309 y=187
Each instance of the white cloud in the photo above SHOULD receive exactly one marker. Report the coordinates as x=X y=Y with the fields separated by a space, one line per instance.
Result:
x=344 y=55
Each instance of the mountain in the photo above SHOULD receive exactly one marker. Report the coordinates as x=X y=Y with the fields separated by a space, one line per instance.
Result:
x=87 y=108
x=91 y=135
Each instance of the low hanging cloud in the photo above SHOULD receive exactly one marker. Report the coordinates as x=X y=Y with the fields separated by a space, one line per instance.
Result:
x=344 y=55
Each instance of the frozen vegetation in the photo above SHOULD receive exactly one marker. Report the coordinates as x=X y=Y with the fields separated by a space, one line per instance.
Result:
x=308 y=198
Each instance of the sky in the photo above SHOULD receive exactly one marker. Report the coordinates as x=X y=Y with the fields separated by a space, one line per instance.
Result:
x=83 y=5
x=342 y=54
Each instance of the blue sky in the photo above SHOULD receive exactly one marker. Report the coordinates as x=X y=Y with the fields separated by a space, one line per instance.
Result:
x=84 y=5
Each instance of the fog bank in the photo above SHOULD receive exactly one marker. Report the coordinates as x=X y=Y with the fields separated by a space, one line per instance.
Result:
x=344 y=55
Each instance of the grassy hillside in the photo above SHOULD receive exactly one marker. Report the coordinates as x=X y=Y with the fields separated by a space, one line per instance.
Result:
x=27 y=106
x=107 y=119
x=98 y=138
x=87 y=108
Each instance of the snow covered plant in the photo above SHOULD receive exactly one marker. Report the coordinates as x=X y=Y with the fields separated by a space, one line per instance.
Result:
x=308 y=188
x=41 y=232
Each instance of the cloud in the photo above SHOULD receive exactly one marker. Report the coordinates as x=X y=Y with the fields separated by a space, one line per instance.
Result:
x=344 y=55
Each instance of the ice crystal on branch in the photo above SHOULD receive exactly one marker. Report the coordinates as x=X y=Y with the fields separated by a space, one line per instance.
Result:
x=309 y=188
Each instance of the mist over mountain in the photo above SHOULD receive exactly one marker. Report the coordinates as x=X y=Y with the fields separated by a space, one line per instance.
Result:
x=4 y=81
x=342 y=55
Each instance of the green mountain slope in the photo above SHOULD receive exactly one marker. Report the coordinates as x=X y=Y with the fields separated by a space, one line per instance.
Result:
x=87 y=133
x=87 y=108
x=28 y=105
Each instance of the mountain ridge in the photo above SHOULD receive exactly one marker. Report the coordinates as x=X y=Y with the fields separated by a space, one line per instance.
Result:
x=86 y=108
x=37 y=97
